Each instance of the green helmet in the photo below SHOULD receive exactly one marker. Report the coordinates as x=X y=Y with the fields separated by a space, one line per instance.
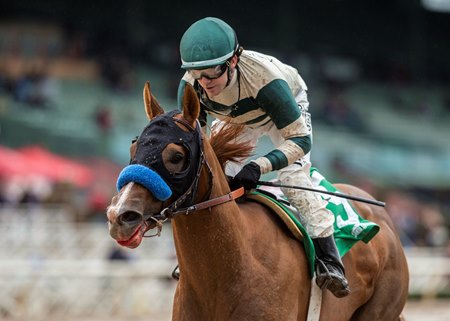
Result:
x=206 y=43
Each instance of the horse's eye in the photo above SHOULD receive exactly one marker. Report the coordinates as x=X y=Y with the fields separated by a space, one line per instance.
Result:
x=177 y=158
x=174 y=158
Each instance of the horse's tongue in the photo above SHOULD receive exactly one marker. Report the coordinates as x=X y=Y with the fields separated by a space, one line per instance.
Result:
x=134 y=241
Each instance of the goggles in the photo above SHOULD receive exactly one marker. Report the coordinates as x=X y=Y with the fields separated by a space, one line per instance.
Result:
x=209 y=73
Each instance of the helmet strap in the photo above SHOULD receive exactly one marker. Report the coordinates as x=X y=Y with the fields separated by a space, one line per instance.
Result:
x=228 y=73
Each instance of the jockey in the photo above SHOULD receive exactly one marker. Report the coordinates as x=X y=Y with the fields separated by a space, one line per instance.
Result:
x=269 y=98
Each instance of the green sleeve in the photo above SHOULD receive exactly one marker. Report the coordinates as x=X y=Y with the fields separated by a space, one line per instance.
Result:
x=278 y=102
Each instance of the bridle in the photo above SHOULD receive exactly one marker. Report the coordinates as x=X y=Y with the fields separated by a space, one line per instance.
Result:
x=183 y=204
x=174 y=209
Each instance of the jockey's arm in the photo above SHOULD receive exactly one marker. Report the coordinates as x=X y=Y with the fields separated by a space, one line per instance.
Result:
x=279 y=103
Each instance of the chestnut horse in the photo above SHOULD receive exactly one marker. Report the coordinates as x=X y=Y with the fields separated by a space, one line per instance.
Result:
x=237 y=261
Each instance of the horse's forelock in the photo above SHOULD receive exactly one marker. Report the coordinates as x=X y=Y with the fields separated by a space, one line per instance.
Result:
x=225 y=147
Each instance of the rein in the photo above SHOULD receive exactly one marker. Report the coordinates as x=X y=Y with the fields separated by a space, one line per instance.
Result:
x=168 y=213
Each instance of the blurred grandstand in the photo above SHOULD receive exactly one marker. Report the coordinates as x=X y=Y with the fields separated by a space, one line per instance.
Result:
x=71 y=79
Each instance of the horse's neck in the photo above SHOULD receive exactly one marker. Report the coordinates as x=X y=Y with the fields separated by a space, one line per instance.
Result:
x=210 y=238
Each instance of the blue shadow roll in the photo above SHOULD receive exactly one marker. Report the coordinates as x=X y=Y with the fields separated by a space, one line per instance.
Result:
x=147 y=178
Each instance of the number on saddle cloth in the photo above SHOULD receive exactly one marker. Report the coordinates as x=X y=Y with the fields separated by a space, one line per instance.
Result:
x=349 y=226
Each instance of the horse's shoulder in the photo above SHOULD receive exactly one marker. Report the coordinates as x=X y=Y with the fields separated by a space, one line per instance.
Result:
x=260 y=218
x=255 y=210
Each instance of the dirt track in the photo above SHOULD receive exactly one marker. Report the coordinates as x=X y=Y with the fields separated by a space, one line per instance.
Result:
x=430 y=310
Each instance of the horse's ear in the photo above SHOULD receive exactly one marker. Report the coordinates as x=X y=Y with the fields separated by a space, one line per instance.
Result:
x=152 y=107
x=191 y=104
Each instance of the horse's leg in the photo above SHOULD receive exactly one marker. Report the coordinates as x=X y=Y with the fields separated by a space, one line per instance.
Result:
x=382 y=266
x=375 y=310
x=389 y=295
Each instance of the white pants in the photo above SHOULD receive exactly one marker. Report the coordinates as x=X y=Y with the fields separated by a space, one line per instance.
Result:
x=317 y=220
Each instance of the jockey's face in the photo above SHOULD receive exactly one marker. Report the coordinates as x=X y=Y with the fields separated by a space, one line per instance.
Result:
x=214 y=86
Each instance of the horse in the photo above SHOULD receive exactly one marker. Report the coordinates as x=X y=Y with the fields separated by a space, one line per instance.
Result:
x=238 y=261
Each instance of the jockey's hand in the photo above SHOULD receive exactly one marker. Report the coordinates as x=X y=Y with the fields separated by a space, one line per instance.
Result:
x=248 y=177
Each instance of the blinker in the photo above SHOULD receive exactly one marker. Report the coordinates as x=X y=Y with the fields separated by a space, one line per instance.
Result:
x=160 y=132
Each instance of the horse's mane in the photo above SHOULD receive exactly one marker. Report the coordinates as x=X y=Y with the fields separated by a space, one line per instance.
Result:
x=223 y=142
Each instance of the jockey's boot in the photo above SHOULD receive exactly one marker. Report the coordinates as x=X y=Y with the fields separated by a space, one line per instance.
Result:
x=330 y=273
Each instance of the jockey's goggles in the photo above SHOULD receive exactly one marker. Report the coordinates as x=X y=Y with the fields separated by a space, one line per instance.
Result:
x=210 y=73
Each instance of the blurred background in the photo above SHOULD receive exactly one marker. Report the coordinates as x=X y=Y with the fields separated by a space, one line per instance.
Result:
x=71 y=79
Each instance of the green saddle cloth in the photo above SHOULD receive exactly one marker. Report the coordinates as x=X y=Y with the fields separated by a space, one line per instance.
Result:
x=349 y=226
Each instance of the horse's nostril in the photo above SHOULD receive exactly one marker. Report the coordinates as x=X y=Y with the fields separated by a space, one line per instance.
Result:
x=129 y=218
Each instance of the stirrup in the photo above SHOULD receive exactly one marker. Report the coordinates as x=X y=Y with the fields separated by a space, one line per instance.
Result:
x=335 y=283
x=176 y=273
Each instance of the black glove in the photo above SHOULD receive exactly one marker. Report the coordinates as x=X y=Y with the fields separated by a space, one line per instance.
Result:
x=248 y=177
